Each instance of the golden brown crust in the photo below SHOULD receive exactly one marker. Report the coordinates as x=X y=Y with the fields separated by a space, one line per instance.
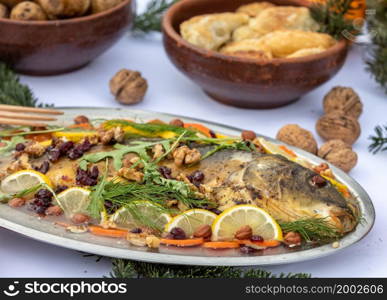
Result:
x=102 y=5
x=252 y=48
x=254 y=9
x=306 y=52
x=212 y=31
x=65 y=8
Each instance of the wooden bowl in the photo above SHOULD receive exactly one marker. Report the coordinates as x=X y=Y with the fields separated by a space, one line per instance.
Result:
x=245 y=82
x=60 y=46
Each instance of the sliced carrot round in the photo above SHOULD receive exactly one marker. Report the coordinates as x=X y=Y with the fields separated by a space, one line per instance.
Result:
x=182 y=243
x=221 y=245
x=115 y=233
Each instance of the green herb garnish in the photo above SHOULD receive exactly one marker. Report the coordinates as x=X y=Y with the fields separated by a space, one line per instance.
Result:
x=12 y=133
x=313 y=229
x=4 y=198
x=379 y=140
x=10 y=145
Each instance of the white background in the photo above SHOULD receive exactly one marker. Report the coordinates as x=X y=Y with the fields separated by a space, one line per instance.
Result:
x=171 y=92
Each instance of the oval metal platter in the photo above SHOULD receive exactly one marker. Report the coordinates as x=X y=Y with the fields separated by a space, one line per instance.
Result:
x=45 y=231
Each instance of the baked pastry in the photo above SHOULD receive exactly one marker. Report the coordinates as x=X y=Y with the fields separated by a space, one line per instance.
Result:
x=213 y=30
x=306 y=52
x=283 y=43
x=251 y=48
x=254 y=9
x=277 y=18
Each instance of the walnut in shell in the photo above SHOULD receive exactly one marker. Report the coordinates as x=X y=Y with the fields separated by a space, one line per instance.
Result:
x=11 y=3
x=65 y=8
x=339 y=154
x=338 y=126
x=28 y=11
x=129 y=87
x=294 y=135
x=345 y=100
x=3 y=11
x=102 y=5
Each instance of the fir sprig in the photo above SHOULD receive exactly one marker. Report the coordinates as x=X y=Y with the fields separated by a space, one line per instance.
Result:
x=12 y=92
x=331 y=18
x=379 y=140
x=150 y=20
x=134 y=269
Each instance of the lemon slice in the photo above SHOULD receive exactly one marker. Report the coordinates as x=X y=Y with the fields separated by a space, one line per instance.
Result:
x=23 y=180
x=277 y=149
x=74 y=200
x=228 y=222
x=140 y=213
x=191 y=219
x=74 y=136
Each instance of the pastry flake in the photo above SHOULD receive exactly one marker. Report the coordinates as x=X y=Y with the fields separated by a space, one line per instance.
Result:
x=213 y=30
x=254 y=9
x=306 y=52
x=252 y=48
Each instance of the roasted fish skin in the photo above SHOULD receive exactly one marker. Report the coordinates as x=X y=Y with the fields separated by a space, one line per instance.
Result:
x=276 y=184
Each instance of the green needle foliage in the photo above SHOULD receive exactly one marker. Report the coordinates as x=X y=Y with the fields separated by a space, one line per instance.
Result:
x=150 y=20
x=331 y=17
x=377 y=53
x=12 y=92
x=379 y=140
x=134 y=269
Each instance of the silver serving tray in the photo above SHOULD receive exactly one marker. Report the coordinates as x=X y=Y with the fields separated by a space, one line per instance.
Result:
x=44 y=230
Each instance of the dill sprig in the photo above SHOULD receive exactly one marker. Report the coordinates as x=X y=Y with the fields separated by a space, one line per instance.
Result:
x=312 y=229
x=134 y=269
x=331 y=18
x=379 y=140
x=150 y=20
x=4 y=198
x=12 y=92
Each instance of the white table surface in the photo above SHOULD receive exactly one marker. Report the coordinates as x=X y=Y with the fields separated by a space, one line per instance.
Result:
x=171 y=92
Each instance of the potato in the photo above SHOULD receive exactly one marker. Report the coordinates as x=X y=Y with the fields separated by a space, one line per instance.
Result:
x=65 y=8
x=28 y=11
x=3 y=11
x=101 y=5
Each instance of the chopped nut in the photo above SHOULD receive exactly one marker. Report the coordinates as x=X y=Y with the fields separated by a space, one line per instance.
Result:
x=129 y=162
x=106 y=136
x=179 y=155
x=16 y=202
x=321 y=167
x=158 y=151
x=203 y=231
x=292 y=239
x=20 y=164
x=244 y=233
x=81 y=120
x=343 y=100
x=137 y=241
x=337 y=126
x=171 y=203
x=35 y=149
x=119 y=134
x=80 y=218
x=77 y=229
x=54 y=211
x=192 y=156
x=294 y=135
x=131 y=174
x=177 y=122
x=129 y=87
x=248 y=135
x=335 y=245
x=152 y=241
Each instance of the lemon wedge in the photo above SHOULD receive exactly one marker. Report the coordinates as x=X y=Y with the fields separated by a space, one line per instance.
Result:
x=227 y=223
x=74 y=200
x=23 y=180
x=140 y=213
x=190 y=220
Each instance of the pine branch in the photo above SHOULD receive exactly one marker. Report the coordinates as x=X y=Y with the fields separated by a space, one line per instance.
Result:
x=331 y=18
x=12 y=92
x=379 y=140
x=134 y=269
x=150 y=20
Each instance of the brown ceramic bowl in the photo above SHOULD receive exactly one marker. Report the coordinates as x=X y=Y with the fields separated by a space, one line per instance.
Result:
x=244 y=82
x=54 y=47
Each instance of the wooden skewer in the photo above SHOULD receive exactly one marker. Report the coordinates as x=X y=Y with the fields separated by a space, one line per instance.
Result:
x=7 y=121
x=23 y=116
x=5 y=107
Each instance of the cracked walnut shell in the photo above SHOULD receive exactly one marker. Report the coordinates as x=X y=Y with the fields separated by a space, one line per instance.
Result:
x=337 y=126
x=294 y=135
x=339 y=154
x=345 y=100
x=129 y=87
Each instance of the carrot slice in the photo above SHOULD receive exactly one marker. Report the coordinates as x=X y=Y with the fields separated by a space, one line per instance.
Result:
x=221 y=245
x=182 y=243
x=87 y=126
x=288 y=151
x=266 y=244
x=203 y=129
x=115 y=233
